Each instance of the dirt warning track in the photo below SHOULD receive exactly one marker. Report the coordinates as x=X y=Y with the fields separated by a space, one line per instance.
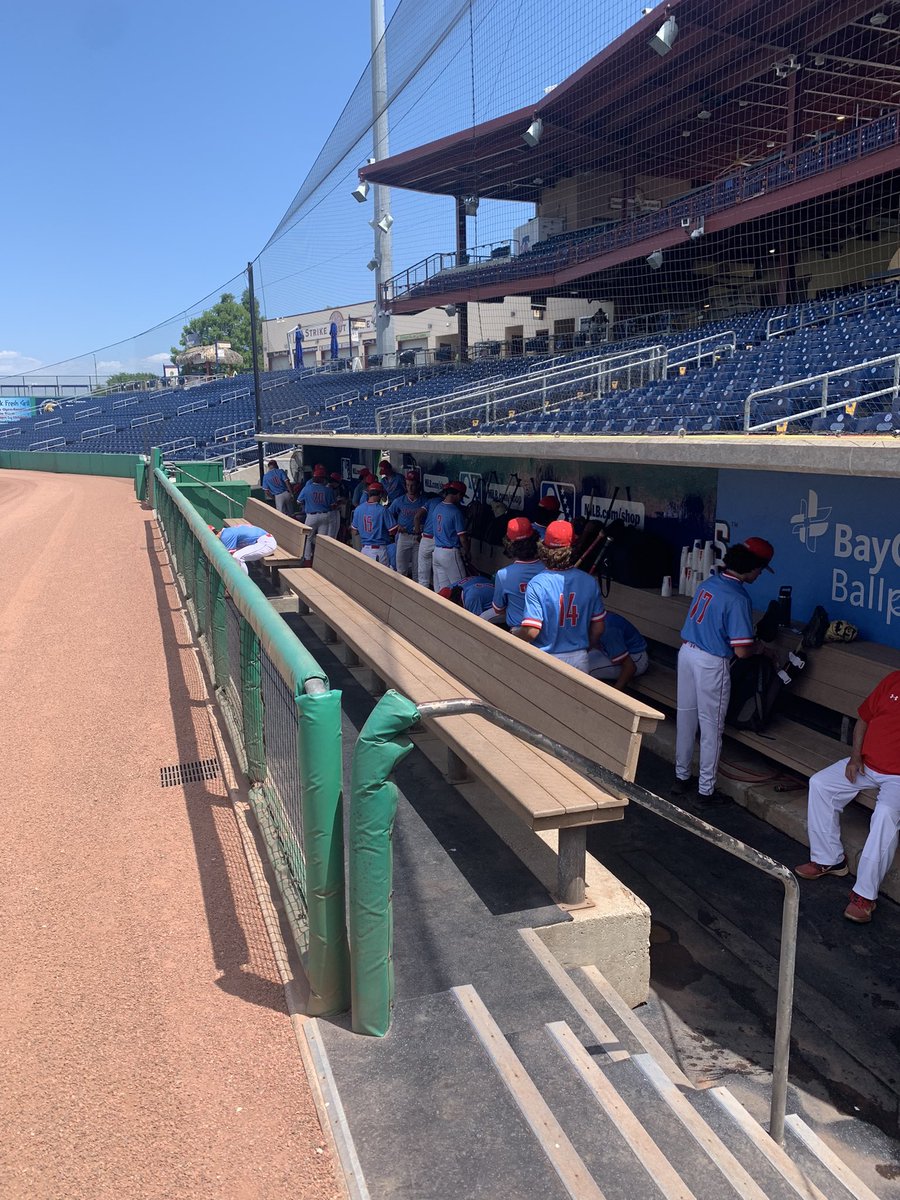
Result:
x=145 y=1047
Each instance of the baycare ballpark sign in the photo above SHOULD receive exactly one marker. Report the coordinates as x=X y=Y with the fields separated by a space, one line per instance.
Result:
x=836 y=539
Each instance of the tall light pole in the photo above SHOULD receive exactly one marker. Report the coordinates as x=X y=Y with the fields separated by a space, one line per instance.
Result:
x=385 y=334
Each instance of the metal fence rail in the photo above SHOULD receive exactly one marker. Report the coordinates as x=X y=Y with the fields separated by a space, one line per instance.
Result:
x=285 y=723
x=819 y=384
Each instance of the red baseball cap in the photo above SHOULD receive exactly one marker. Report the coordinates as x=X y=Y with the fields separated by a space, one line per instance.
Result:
x=375 y=489
x=519 y=527
x=385 y=462
x=446 y=593
x=550 y=503
x=412 y=475
x=366 y=476
x=456 y=486
x=559 y=534
x=763 y=550
x=335 y=476
x=319 y=472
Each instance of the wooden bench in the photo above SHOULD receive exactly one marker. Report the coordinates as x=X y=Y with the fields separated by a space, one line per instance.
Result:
x=837 y=677
x=289 y=534
x=429 y=649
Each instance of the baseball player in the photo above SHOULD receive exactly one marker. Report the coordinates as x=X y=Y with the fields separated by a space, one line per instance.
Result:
x=390 y=481
x=564 y=613
x=277 y=486
x=520 y=544
x=372 y=523
x=425 y=526
x=403 y=513
x=362 y=484
x=473 y=593
x=246 y=543
x=719 y=626
x=451 y=542
x=317 y=501
x=548 y=510
x=337 y=491
x=874 y=762
x=621 y=655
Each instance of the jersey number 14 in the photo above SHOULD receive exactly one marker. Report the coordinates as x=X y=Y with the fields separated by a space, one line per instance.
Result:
x=567 y=610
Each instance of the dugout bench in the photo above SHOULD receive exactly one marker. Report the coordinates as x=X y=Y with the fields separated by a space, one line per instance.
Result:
x=430 y=649
x=289 y=534
x=836 y=677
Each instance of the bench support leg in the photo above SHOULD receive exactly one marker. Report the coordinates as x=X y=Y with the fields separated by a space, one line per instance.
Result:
x=349 y=658
x=329 y=637
x=570 y=867
x=302 y=608
x=457 y=771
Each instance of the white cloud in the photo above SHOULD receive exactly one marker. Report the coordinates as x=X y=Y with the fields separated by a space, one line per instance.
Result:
x=12 y=362
x=109 y=366
x=164 y=356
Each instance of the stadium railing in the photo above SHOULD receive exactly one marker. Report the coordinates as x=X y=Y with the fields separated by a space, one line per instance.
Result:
x=820 y=384
x=285 y=723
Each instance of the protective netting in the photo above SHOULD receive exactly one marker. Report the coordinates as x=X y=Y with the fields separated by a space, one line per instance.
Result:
x=575 y=178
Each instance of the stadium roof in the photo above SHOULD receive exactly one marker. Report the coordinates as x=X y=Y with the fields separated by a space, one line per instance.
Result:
x=737 y=62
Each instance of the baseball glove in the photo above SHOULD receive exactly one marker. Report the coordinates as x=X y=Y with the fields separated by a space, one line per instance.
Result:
x=840 y=631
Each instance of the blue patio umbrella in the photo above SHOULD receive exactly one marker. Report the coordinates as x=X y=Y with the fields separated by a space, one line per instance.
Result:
x=335 y=352
x=298 y=346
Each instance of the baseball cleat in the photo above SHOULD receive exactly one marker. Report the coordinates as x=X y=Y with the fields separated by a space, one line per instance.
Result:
x=813 y=870
x=859 y=909
x=814 y=630
x=683 y=787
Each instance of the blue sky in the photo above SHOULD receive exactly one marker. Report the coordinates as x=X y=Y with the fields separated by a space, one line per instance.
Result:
x=150 y=150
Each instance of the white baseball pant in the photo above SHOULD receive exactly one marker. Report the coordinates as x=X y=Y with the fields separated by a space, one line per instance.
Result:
x=379 y=553
x=448 y=567
x=261 y=548
x=318 y=523
x=284 y=502
x=830 y=791
x=575 y=658
x=334 y=523
x=426 y=554
x=407 y=555
x=602 y=667
x=704 y=686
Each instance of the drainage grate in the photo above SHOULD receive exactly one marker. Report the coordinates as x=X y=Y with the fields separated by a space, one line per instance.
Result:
x=189 y=772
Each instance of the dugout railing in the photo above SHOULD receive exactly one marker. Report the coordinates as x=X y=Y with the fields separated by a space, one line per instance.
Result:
x=285 y=723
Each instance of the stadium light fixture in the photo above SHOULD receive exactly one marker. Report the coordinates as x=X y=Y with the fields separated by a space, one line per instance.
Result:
x=698 y=230
x=704 y=114
x=664 y=38
x=878 y=19
x=384 y=224
x=450 y=310
x=373 y=264
x=654 y=260
x=532 y=134
x=361 y=192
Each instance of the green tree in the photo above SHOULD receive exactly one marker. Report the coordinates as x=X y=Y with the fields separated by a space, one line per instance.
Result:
x=226 y=321
x=124 y=377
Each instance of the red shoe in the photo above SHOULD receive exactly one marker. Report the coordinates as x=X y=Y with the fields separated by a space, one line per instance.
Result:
x=812 y=870
x=859 y=909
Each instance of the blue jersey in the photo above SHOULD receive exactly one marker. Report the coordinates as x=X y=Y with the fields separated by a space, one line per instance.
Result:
x=394 y=486
x=316 y=497
x=477 y=591
x=720 y=616
x=449 y=523
x=275 y=482
x=620 y=638
x=359 y=494
x=509 y=589
x=563 y=605
x=372 y=523
x=403 y=513
x=431 y=505
x=235 y=537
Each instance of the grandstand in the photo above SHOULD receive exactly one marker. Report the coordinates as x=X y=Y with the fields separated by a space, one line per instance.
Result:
x=699 y=212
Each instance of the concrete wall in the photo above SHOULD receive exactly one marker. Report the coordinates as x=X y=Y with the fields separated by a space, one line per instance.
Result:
x=119 y=465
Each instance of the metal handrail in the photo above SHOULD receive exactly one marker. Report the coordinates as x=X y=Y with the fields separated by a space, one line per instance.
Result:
x=823 y=378
x=870 y=299
x=174 y=466
x=636 y=794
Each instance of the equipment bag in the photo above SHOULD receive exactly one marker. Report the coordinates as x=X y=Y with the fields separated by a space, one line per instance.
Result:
x=756 y=687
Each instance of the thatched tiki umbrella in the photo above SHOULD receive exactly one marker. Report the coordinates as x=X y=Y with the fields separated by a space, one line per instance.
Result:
x=220 y=354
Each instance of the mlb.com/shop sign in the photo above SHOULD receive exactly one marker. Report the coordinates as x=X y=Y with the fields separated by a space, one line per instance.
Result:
x=837 y=543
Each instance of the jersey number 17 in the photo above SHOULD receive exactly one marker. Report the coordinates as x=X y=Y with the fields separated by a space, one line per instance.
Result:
x=699 y=607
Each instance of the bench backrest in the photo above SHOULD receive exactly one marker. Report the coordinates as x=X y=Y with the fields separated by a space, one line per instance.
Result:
x=566 y=704
x=288 y=533
x=838 y=676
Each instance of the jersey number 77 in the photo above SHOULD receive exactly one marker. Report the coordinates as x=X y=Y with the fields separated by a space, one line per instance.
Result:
x=567 y=609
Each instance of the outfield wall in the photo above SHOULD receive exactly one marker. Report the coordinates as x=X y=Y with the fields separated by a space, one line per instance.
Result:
x=121 y=466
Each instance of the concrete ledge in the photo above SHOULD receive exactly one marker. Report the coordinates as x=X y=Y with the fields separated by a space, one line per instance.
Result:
x=785 y=811
x=612 y=931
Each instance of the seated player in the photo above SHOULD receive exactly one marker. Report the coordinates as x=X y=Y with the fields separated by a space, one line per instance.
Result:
x=520 y=544
x=247 y=543
x=621 y=655
x=474 y=594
